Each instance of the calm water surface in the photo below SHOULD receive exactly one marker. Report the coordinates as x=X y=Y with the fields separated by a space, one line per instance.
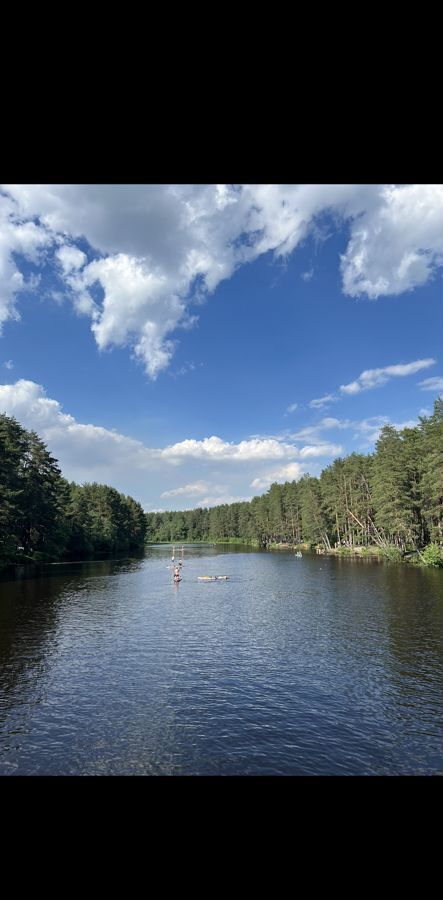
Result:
x=313 y=666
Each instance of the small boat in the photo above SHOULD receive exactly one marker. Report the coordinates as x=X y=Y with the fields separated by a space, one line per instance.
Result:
x=212 y=577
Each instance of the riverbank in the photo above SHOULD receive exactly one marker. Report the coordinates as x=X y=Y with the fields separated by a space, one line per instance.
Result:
x=219 y=542
x=430 y=556
x=333 y=551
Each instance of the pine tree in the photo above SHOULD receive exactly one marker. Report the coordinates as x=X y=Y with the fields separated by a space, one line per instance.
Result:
x=13 y=441
x=391 y=490
x=432 y=471
x=314 y=523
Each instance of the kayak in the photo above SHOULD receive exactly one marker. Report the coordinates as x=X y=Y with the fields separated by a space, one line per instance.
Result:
x=212 y=577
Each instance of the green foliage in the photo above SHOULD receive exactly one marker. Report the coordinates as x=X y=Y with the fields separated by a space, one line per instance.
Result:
x=392 y=553
x=103 y=521
x=391 y=501
x=388 y=503
x=393 y=491
x=32 y=494
x=432 y=472
x=432 y=555
x=43 y=517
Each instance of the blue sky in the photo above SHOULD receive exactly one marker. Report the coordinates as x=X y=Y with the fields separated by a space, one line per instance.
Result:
x=190 y=344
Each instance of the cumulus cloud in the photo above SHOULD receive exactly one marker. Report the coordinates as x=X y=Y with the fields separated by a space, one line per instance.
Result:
x=70 y=258
x=185 y=470
x=158 y=248
x=215 y=448
x=291 y=472
x=88 y=452
x=27 y=401
x=84 y=450
x=396 y=244
x=16 y=237
x=373 y=378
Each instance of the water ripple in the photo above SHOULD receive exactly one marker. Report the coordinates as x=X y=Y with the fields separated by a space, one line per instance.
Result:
x=312 y=667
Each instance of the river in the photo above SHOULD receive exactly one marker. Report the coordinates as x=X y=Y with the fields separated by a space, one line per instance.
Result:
x=312 y=666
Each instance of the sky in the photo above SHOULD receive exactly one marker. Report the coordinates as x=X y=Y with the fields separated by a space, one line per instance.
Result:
x=192 y=344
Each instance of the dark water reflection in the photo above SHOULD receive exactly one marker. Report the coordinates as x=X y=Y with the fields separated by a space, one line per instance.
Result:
x=312 y=666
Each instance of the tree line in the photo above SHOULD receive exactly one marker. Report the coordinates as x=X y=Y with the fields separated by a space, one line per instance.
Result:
x=44 y=517
x=392 y=498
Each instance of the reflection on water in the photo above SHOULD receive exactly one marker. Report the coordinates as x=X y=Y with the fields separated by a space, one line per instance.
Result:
x=293 y=666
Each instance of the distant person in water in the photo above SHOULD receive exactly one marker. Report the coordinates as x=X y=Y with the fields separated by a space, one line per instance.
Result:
x=177 y=574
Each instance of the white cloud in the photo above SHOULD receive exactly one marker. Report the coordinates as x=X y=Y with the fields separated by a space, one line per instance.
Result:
x=214 y=448
x=369 y=429
x=70 y=258
x=88 y=452
x=291 y=472
x=161 y=246
x=396 y=244
x=219 y=501
x=85 y=451
x=307 y=275
x=323 y=401
x=372 y=378
x=154 y=242
x=151 y=308
x=57 y=296
x=330 y=422
x=313 y=432
x=188 y=490
x=321 y=450
x=185 y=369
x=432 y=384
x=28 y=403
x=24 y=238
x=8 y=364
x=291 y=408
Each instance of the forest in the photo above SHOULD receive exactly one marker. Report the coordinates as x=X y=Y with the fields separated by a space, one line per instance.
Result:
x=391 y=500
x=43 y=517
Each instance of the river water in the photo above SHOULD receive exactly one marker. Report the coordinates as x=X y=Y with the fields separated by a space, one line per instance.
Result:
x=312 y=666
